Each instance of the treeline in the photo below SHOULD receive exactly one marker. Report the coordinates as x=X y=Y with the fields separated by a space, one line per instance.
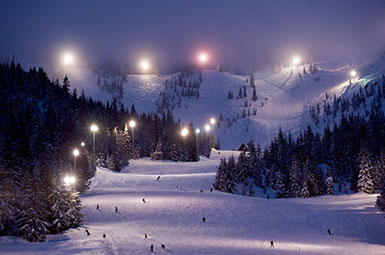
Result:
x=350 y=155
x=41 y=122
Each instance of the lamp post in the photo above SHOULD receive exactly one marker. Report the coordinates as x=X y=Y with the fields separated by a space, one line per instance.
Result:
x=76 y=154
x=197 y=131
x=132 y=125
x=93 y=129
x=184 y=132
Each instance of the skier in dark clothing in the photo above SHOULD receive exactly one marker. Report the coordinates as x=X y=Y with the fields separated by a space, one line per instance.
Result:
x=211 y=190
x=271 y=244
x=329 y=231
x=97 y=206
x=88 y=232
x=145 y=235
x=152 y=248
x=204 y=219
x=144 y=200
x=158 y=178
x=201 y=190
x=163 y=246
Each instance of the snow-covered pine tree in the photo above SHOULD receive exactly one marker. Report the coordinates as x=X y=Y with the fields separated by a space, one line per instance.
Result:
x=219 y=182
x=280 y=187
x=381 y=198
x=174 y=155
x=366 y=171
x=243 y=168
x=379 y=171
x=230 y=178
x=295 y=177
x=329 y=185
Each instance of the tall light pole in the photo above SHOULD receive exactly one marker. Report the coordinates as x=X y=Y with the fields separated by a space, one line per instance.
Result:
x=93 y=129
x=76 y=154
x=132 y=126
x=207 y=129
x=197 y=131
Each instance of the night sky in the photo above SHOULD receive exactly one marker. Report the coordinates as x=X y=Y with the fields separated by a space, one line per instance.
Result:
x=171 y=32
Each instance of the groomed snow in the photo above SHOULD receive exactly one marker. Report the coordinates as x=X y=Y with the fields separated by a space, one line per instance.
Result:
x=235 y=224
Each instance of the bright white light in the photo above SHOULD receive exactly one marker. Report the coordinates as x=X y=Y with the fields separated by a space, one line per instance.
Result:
x=353 y=73
x=94 y=128
x=82 y=144
x=207 y=127
x=69 y=180
x=197 y=131
x=296 y=61
x=145 y=65
x=76 y=152
x=184 y=132
x=68 y=59
x=203 y=57
x=132 y=124
x=212 y=121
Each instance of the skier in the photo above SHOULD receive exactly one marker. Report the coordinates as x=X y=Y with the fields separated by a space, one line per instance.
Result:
x=88 y=232
x=104 y=235
x=271 y=244
x=116 y=209
x=204 y=219
x=201 y=191
x=329 y=231
x=97 y=206
x=211 y=189
x=163 y=246
x=144 y=200
x=145 y=235
x=152 y=248
x=158 y=178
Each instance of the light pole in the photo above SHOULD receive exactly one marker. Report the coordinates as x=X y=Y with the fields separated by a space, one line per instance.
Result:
x=82 y=144
x=184 y=132
x=93 y=129
x=132 y=126
x=76 y=154
x=207 y=128
x=197 y=131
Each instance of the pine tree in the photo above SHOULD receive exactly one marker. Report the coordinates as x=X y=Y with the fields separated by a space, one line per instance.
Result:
x=230 y=176
x=381 y=198
x=174 y=155
x=219 y=183
x=329 y=185
x=366 y=170
x=280 y=187
x=295 y=178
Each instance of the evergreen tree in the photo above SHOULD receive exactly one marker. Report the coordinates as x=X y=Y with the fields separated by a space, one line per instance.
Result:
x=381 y=198
x=366 y=170
x=329 y=185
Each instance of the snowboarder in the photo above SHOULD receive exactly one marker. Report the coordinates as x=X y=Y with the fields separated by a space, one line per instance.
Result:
x=329 y=231
x=152 y=248
x=145 y=235
x=88 y=232
x=144 y=200
x=158 y=178
x=163 y=246
x=104 y=235
x=116 y=209
x=97 y=206
x=211 y=189
x=204 y=219
x=201 y=191
x=271 y=244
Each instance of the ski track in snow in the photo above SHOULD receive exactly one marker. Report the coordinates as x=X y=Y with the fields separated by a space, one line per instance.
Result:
x=235 y=224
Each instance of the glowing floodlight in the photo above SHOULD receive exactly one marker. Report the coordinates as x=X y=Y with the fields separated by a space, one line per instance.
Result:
x=82 y=144
x=296 y=61
x=207 y=127
x=145 y=65
x=203 y=57
x=69 y=180
x=353 y=73
x=76 y=152
x=94 y=128
x=197 y=131
x=132 y=124
x=212 y=121
x=68 y=59
x=184 y=132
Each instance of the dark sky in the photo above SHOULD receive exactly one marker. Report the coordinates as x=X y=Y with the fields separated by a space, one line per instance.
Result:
x=170 y=32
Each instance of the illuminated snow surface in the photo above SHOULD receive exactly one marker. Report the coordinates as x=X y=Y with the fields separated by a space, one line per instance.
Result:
x=285 y=96
x=234 y=224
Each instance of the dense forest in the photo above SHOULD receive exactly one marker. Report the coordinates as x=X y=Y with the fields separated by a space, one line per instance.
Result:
x=350 y=154
x=42 y=122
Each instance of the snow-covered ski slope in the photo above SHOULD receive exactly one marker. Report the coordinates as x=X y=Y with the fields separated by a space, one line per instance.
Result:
x=234 y=224
x=284 y=94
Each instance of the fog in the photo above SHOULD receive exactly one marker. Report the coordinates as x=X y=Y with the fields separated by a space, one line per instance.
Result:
x=170 y=33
